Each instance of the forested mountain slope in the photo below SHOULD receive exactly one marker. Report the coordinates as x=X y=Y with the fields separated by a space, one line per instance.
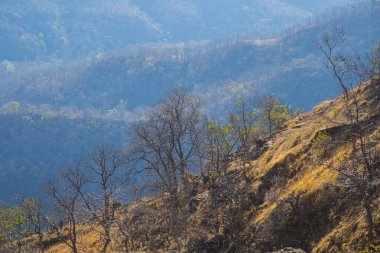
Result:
x=118 y=86
x=287 y=194
x=40 y=29
x=289 y=66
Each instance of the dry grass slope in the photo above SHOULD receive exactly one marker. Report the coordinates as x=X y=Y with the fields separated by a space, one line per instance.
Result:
x=291 y=167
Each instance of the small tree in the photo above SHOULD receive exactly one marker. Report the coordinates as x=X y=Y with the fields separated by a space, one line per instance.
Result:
x=374 y=62
x=107 y=173
x=223 y=141
x=220 y=143
x=66 y=196
x=35 y=220
x=13 y=228
x=274 y=114
x=18 y=223
x=244 y=122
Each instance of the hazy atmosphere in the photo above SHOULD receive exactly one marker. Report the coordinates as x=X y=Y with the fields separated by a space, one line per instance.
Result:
x=189 y=126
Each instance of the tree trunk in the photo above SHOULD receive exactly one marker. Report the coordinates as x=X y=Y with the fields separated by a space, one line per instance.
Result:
x=107 y=241
x=74 y=248
x=40 y=242
x=369 y=220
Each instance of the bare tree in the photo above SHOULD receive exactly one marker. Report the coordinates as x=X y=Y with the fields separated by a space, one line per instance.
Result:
x=168 y=140
x=107 y=172
x=167 y=143
x=137 y=224
x=66 y=195
x=359 y=174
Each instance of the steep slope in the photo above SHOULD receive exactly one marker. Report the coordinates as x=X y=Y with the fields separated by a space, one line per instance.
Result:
x=293 y=164
x=288 y=170
x=119 y=86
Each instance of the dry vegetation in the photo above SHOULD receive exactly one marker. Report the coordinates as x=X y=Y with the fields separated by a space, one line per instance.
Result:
x=289 y=200
x=263 y=180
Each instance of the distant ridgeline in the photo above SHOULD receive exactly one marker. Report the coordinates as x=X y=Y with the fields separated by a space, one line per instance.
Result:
x=54 y=113
x=41 y=30
x=288 y=65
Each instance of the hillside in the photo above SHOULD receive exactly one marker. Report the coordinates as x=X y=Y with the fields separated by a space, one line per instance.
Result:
x=121 y=85
x=287 y=196
x=291 y=68
x=42 y=30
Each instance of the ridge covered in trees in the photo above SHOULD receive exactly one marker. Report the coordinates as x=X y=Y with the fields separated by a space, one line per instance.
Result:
x=263 y=179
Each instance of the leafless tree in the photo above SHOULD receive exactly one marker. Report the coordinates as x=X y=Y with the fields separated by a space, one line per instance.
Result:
x=137 y=224
x=167 y=143
x=107 y=173
x=359 y=174
x=66 y=195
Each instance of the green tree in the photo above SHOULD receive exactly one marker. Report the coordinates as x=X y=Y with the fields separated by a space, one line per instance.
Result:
x=220 y=142
x=244 y=121
x=17 y=223
x=274 y=113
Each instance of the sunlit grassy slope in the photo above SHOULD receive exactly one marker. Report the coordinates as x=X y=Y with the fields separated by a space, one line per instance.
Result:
x=291 y=165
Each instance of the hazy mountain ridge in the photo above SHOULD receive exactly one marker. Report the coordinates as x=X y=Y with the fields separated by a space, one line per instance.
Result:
x=140 y=76
x=116 y=87
x=226 y=164
x=39 y=29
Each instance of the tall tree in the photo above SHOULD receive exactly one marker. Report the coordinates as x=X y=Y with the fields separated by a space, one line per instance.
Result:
x=167 y=142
